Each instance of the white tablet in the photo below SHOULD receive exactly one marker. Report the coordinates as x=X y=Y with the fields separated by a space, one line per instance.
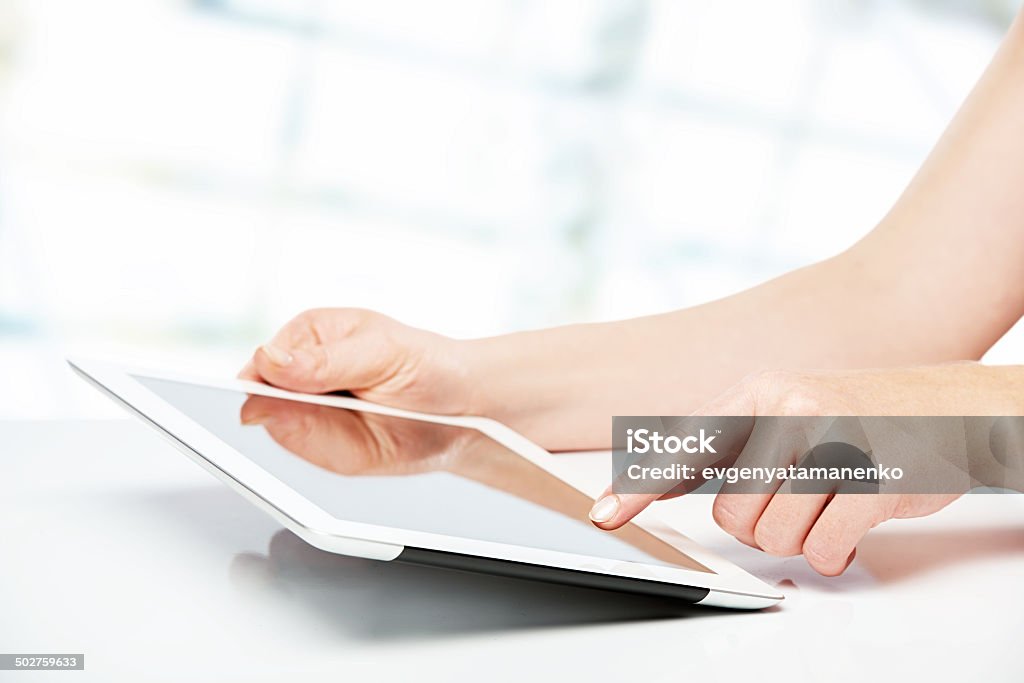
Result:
x=468 y=493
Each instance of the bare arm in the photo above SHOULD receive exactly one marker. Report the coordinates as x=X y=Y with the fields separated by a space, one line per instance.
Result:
x=938 y=279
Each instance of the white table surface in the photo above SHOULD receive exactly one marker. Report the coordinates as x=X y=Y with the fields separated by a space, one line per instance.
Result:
x=118 y=547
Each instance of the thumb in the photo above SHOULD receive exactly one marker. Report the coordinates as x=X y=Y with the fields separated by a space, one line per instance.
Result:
x=352 y=363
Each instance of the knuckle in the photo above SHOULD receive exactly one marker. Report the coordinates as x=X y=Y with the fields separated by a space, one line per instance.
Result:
x=309 y=316
x=727 y=516
x=361 y=316
x=331 y=323
x=755 y=383
x=781 y=392
x=305 y=327
x=774 y=540
x=799 y=401
x=771 y=379
x=321 y=366
x=898 y=507
x=823 y=556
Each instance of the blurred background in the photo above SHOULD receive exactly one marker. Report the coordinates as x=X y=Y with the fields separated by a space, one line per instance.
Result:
x=180 y=177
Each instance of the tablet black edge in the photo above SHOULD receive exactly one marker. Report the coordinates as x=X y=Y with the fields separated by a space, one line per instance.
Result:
x=535 y=572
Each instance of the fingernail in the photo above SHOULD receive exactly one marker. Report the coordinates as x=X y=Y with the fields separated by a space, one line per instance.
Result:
x=277 y=356
x=255 y=419
x=605 y=509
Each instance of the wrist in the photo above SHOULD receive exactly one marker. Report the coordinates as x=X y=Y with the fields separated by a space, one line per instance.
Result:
x=509 y=377
x=535 y=382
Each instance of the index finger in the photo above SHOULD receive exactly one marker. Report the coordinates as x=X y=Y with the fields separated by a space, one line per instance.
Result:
x=615 y=508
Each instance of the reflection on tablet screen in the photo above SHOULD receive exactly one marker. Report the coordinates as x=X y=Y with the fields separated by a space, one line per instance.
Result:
x=409 y=474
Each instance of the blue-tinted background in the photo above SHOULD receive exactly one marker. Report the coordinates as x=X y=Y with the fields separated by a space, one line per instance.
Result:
x=178 y=178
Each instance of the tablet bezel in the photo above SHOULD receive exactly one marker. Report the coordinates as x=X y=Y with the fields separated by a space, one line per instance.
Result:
x=729 y=585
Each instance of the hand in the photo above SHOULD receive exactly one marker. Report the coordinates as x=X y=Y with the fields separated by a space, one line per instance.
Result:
x=824 y=527
x=370 y=355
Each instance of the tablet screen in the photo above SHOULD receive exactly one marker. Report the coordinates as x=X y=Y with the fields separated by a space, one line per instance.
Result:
x=409 y=474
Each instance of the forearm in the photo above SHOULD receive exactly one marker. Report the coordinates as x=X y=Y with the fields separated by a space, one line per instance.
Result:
x=952 y=246
x=562 y=385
